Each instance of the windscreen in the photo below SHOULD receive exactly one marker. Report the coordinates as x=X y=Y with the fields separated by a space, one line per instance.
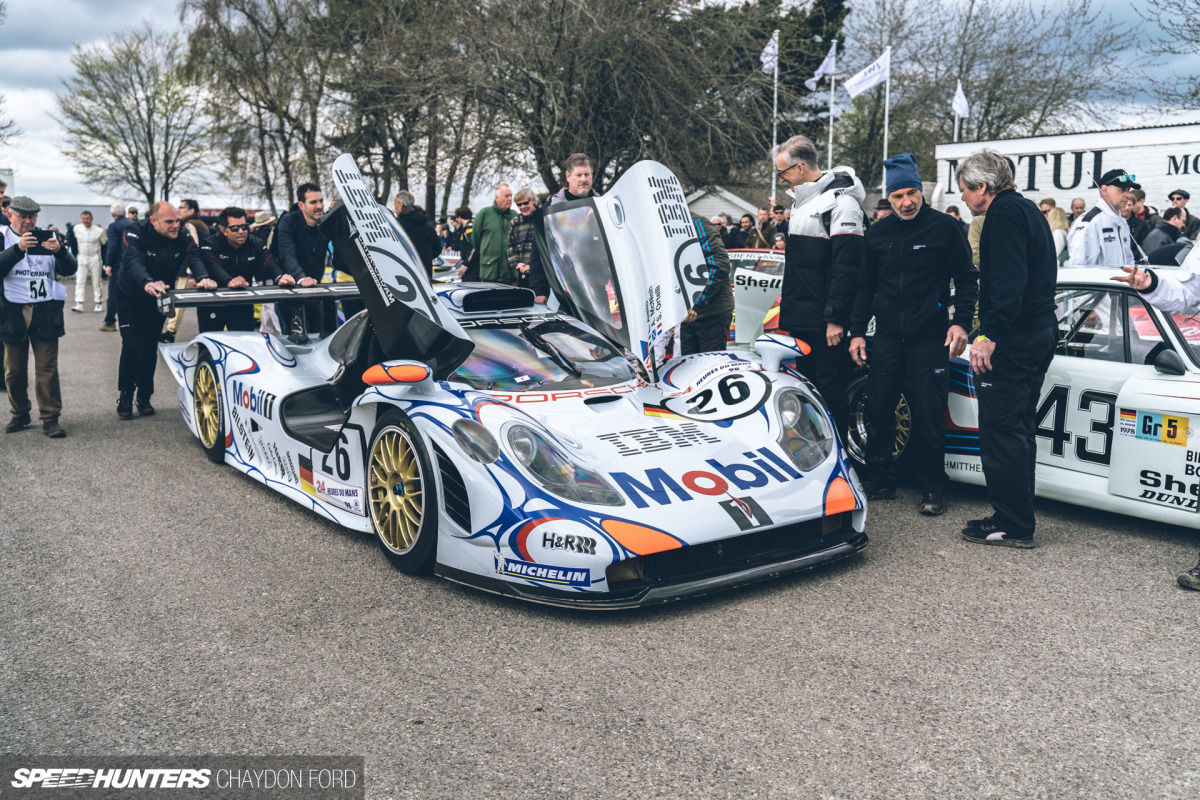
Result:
x=582 y=263
x=539 y=353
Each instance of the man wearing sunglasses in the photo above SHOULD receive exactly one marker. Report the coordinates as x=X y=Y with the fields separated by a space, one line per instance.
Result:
x=235 y=260
x=1101 y=236
x=1179 y=199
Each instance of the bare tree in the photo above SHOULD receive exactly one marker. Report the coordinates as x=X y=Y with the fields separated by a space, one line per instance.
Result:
x=1179 y=35
x=131 y=119
x=8 y=126
x=1052 y=77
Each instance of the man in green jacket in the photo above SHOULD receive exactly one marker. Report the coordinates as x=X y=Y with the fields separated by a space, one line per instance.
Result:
x=490 y=238
x=707 y=325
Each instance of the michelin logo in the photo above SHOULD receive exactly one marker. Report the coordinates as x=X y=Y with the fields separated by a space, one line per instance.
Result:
x=542 y=573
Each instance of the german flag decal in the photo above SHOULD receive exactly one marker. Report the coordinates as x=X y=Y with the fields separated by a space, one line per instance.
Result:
x=306 y=474
x=660 y=411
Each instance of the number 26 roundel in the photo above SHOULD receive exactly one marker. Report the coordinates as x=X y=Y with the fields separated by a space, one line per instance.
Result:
x=726 y=396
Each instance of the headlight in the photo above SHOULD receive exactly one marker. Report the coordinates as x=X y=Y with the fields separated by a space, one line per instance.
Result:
x=556 y=472
x=805 y=433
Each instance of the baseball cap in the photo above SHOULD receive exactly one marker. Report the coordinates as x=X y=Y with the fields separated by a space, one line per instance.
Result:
x=1119 y=178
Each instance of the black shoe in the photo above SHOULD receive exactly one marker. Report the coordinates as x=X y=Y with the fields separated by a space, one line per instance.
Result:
x=52 y=429
x=932 y=504
x=19 y=422
x=1191 y=578
x=166 y=338
x=991 y=533
x=125 y=405
x=879 y=491
x=144 y=408
x=976 y=524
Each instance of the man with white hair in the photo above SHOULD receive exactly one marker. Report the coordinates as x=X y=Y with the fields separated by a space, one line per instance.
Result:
x=91 y=241
x=112 y=263
x=489 y=238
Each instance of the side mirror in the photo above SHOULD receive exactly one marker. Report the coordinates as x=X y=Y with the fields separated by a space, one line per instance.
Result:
x=390 y=373
x=1168 y=362
x=775 y=348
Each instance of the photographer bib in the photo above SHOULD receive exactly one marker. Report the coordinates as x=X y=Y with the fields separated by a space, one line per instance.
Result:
x=32 y=279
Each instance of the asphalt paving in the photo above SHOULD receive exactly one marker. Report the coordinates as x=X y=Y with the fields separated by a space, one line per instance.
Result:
x=156 y=604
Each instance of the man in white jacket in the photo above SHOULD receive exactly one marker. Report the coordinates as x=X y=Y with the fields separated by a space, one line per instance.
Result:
x=1101 y=236
x=91 y=238
x=1172 y=292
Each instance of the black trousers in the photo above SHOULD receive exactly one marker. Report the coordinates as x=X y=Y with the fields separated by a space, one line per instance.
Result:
x=218 y=318
x=114 y=292
x=1008 y=398
x=918 y=367
x=140 y=329
x=829 y=368
x=705 y=335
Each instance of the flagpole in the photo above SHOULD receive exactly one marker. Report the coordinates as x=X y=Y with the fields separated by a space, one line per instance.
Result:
x=957 y=120
x=831 y=82
x=774 y=126
x=887 y=99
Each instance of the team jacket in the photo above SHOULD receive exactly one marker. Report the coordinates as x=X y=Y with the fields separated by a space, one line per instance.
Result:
x=717 y=295
x=250 y=261
x=149 y=256
x=905 y=277
x=1099 y=238
x=1177 y=291
x=824 y=246
x=1018 y=269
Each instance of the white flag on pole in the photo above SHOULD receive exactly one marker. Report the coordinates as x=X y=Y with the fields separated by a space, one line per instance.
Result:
x=770 y=54
x=874 y=74
x=828 y=67
x=959 y=105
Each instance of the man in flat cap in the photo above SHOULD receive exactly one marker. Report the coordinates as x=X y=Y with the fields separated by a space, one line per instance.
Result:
x=1101 y=236
x=1179 y=199
x=31 y=315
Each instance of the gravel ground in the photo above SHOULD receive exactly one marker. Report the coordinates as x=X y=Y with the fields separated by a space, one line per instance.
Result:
x=156 y=604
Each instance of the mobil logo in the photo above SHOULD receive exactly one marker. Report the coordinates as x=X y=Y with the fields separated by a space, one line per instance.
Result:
x=256 y=401
x=761 y=468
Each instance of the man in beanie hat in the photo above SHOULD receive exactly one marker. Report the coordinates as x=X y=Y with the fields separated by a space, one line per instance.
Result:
x=909 y=259
x=31 y=315
x=1101 y=236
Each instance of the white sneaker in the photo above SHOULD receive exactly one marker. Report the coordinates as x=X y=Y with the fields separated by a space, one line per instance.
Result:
x=77 y=308
x=99 y=307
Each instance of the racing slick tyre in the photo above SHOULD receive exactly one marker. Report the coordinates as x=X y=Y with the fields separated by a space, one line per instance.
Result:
x=402 y=494
x=209 y=409
x=856 y=433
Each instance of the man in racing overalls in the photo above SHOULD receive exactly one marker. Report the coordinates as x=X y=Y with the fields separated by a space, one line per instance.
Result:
x=1172 y=293
x=1101 y=237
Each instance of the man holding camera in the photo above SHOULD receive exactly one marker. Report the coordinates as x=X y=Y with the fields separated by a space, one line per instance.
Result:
x=31 y=315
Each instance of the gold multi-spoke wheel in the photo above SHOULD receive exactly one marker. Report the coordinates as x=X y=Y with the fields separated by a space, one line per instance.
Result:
x=856 y=434
x=206 y=404
x=399 y=489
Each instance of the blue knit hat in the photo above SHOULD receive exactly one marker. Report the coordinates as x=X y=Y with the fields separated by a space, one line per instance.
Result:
x=901 y=171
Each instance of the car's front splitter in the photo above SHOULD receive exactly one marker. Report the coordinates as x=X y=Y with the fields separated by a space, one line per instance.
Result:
x=664 y=592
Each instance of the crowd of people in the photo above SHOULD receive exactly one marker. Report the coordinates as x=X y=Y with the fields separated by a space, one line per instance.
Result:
x=841 y=272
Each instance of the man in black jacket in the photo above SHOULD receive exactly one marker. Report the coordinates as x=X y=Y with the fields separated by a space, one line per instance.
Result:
x=154 y=256
x=235 y=260
x=909 y=260
x=824 y=246
x=1018 y=331
x=415 y=223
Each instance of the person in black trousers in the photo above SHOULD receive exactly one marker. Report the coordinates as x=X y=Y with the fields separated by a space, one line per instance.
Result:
x=153 y=256
x=235 y=260
x=909 y=260
x=1018 y=331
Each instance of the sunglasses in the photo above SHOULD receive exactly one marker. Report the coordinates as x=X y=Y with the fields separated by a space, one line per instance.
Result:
x=1175 y=197
x=779 y=173
x=1125 y=177
x=524 y=203
x=236 y=228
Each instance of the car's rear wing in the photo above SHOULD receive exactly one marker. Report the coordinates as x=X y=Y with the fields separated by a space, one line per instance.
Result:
x=195 y=298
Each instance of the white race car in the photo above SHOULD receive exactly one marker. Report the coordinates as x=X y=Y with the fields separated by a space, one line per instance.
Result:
x=520 y=448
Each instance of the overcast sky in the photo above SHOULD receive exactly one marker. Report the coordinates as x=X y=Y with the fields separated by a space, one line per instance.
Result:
x=38 y=38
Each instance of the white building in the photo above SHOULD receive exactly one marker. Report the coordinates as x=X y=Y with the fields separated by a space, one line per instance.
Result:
x=1163 y=159
x=713 y=200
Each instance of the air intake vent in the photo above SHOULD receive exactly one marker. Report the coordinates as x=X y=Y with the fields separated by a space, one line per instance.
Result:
x=454 y=491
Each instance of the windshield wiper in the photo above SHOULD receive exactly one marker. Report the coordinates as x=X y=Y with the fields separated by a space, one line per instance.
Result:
x=539 y=342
